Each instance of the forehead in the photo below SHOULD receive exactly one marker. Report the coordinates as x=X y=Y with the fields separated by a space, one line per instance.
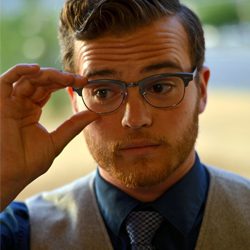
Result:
x=164 y=41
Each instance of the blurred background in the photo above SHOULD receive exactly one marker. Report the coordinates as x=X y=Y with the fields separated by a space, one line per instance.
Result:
x=29 y=34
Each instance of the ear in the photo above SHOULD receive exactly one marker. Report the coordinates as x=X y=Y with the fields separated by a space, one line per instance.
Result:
x=204 y=74
x=73 y=99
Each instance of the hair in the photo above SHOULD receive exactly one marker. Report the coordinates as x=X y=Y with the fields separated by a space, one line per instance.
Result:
x=91 y=19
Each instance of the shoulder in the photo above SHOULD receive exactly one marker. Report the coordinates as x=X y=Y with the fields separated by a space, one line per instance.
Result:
x=62 y=196
x=229 y=193
x=58 y=212
x=227 y=213
x=228 y=180
x=67 y=217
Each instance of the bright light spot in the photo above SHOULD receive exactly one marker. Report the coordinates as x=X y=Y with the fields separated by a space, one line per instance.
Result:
x=212 y=36
x=34 y=47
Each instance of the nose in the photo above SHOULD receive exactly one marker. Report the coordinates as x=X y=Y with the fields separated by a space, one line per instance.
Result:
x=137 y=112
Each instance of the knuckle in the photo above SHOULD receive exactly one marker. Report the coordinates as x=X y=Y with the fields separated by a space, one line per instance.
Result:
x=16 y=68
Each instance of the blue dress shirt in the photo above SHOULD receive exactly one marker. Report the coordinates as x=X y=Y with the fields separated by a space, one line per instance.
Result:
x=182 y=206
x=15 y=227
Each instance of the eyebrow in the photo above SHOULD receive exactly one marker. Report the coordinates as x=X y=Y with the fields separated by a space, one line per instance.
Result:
x=149 y=68
x=162 y=65
x=103 y=73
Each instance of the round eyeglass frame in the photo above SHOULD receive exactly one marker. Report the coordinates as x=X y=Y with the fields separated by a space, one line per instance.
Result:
x=186 y=78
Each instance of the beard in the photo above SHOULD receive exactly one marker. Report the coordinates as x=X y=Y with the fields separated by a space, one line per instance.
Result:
x=145 y=171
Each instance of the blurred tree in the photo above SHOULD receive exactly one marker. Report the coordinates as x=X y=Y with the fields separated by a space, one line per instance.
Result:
x=29 y=34
x=218 y=13
x=29 y=31
x=221 y=12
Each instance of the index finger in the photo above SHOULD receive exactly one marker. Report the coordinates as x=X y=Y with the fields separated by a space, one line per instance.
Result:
x=45 y=81
x=11 y=76
x=56 y=79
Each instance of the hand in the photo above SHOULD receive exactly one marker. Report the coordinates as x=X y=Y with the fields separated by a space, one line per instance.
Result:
x=27 y=148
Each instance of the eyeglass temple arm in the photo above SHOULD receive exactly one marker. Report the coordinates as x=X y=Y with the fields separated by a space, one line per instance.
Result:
x=195 y=73
x=78 y=91
x=190 y=78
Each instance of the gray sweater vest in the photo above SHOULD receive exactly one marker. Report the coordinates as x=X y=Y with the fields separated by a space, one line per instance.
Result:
x=69 y=217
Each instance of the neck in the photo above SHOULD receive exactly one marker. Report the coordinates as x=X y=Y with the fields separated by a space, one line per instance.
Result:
x=148 y=194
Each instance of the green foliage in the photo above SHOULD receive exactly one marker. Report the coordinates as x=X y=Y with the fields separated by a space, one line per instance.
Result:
x=26 y=30
x=219 y=13
x=30 y=36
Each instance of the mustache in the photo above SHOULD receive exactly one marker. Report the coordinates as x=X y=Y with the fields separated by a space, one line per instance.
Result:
x=139 y=135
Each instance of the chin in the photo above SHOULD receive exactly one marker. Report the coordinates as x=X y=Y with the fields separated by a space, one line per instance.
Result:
x=142 y=173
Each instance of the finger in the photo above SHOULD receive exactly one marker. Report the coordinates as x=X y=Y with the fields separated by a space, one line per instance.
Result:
x=50 y=79
x=59 y=80
x=43 y=101
x=11 y=76
x=46 y=76
x=34 y=93
x=71 y=128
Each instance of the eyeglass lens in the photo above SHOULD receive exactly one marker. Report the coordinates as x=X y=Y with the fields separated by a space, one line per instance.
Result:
x=104 y=97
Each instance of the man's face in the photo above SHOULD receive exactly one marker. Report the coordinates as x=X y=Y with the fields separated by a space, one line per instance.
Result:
x=139 y=145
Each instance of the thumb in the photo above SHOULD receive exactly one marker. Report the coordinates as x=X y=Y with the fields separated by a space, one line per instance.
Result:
x=71 y=128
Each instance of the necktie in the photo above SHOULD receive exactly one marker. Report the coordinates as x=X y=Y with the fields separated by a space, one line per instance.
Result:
x=141 y=227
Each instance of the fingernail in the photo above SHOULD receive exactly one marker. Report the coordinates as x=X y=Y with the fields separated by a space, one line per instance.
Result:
x=78 y=76
x=34 y=65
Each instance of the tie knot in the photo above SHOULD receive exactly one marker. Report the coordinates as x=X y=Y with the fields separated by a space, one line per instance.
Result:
x=141 y=227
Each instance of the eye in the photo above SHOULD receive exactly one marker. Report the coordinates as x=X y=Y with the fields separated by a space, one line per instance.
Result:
x=160 y=88
x=103 y=93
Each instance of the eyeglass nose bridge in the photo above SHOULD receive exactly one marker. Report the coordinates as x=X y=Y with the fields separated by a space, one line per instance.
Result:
x=142 y=93
x=132 y=84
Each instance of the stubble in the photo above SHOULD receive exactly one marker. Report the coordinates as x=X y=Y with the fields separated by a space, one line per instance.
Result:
x=145 y=171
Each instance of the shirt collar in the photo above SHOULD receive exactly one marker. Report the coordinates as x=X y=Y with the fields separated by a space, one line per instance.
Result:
x=180 y=205
x=114 y=204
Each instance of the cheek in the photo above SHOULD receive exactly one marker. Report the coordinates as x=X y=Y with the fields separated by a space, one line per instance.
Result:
x=79 y=104
x=103 y=129
x=173 y=121
x=190 y=101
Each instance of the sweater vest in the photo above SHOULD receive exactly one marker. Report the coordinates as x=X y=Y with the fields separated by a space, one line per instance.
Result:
x=69 y=217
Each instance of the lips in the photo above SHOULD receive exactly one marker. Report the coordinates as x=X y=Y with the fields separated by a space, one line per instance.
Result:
x=139 y=144
x=140 y=148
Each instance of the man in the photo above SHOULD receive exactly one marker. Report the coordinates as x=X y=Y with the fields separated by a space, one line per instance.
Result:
x=137 y=83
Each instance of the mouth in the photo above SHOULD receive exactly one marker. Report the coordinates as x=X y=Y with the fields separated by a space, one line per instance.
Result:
x=139 y=148
x=139 y=144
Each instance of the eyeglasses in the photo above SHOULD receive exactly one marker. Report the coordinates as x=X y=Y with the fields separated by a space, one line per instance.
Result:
x=160 y=91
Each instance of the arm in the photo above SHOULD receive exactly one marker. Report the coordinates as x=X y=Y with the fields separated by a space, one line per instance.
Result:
x=27 y=148
x=15 y=227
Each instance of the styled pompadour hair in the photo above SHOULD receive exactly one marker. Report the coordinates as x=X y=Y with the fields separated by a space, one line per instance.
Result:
x=91 y=19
